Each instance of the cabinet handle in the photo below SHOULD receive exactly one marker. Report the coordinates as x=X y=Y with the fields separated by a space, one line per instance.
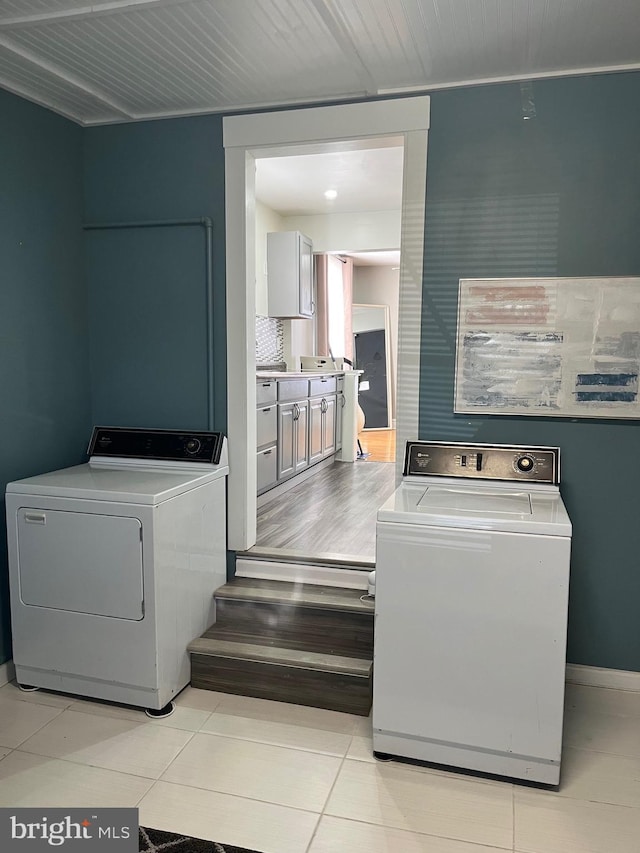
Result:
x=268 y=409
x=343 y=401
x=266 y=385
x=268 y=452
x=296 y=411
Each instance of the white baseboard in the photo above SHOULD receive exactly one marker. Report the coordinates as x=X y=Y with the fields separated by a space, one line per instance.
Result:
x=300 y=573
x=595 y=676
x=7 y=672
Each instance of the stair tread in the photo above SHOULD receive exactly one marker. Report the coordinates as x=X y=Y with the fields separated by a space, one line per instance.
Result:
x=295 y=594
x=352 y=646
x=359 y=667
x=286 y=555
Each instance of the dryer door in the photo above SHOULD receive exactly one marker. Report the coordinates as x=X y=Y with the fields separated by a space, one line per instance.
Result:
x=81 y=562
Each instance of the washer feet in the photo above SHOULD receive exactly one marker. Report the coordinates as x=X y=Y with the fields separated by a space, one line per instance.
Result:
x=159 y=714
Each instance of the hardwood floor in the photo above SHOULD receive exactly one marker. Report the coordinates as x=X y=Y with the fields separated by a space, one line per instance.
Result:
x=331 y=514
x=379 y=445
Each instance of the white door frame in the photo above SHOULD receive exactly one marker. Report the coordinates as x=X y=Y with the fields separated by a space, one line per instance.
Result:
x=274 y=134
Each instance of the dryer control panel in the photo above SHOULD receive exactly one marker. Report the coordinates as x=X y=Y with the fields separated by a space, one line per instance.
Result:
x=483 y=461
x=161 y=444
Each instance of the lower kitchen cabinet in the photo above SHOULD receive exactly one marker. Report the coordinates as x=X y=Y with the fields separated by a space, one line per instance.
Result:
x=266 y=435
x=322 y=427
x=293 y=446
x=340 y=404
x=267 y=465
x=329 y=426
x=299 y=423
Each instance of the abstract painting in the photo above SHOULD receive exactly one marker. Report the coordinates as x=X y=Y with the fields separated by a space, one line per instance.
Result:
x=565 y=347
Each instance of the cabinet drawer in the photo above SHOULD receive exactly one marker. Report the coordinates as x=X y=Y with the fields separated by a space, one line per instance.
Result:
x=321 y=386
x=265 y=391
x=292 y=389
x=267 y=467
x=267 y=425
x=339 y=383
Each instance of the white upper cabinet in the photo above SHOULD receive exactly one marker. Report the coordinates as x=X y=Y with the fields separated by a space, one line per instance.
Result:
x=289 y=274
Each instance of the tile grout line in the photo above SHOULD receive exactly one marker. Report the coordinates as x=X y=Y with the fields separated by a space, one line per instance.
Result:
x=275 y=745
x=98 y=766
x=412 y=832
x=632 y=756
x=40 y=728
x=86 y=764
x=180 y=751
x=235 y=796
x=331 y=789
x=154 y=781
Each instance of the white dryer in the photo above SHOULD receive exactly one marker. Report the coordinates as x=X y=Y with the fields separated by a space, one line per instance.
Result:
x=113 y=565
x=472 y=583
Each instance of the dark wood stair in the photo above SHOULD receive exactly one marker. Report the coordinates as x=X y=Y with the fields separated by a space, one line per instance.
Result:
x=291 y=642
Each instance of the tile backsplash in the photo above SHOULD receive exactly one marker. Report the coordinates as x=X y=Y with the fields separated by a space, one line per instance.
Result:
x=269 y=340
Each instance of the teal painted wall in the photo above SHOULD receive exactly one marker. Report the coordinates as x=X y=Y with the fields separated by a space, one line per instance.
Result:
x=556 y=195
x=44 y=411
x=573 y=174
x=146 y=288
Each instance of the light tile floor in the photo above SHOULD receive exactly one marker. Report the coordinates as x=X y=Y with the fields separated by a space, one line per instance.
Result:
x=287 y=779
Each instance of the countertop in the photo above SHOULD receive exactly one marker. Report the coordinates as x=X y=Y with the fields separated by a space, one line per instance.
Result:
x=305 y=374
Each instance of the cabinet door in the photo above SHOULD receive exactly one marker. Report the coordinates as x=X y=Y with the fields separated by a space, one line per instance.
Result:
x=316 y=412
x=340 y=403
x=329 y=426
x=301 y=449
x=267 y=468
x=285 y=440
x=306 y=276
x=289 y=274
x=266 y=425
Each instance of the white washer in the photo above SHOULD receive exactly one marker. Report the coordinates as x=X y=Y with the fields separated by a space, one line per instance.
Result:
x=472 y=582
x=113 y=565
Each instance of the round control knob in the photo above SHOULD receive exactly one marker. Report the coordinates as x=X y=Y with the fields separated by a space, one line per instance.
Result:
x=524 y=464
x=193 y=446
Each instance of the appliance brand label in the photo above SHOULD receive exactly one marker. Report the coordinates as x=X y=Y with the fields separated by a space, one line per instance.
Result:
x=69 y=830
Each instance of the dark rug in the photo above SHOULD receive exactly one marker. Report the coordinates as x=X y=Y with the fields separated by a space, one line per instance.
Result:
x=157 y=841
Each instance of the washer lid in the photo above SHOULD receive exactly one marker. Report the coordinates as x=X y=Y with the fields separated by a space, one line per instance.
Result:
x=478 y=506
x=477 y=501
x=87 y=482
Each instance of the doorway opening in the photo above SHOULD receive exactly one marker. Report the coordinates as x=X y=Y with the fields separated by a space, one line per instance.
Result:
x=330 y=129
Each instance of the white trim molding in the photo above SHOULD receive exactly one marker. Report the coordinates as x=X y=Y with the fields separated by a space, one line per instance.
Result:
x=282 y=133
x=302 y=573
x=595 y=676
x=7 y=672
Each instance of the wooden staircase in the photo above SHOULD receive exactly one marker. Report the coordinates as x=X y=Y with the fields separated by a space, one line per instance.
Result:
x=291 y=642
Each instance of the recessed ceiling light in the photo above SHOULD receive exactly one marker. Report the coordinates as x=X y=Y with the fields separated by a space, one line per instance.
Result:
x=330 y=194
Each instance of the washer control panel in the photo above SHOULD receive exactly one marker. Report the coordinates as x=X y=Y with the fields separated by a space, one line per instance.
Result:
x=161 y=444
x=483 y=461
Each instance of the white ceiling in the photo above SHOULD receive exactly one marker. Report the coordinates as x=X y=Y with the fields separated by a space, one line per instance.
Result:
x=99 y=61
x=365 y=180
x=376 y=259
